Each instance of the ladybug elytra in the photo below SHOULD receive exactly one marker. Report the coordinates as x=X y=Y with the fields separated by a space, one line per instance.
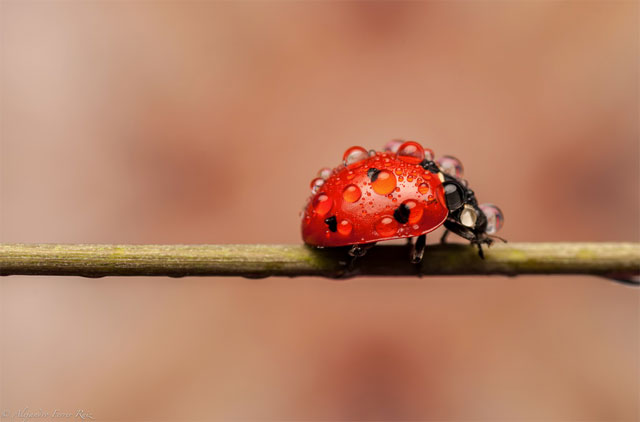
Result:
x=400 y=192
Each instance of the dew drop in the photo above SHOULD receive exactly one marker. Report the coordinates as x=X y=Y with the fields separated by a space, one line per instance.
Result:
x=423 y=188
x=428 y=154
x=322 y=204
x=386 y=226
x=385 y=183
x=351 y=193
x=354 y=156
x=411 y=152
x=345 y=227
x=495 y=218
x=325 y=173
x=316 y=184
x=451 y=166
x=393 y=145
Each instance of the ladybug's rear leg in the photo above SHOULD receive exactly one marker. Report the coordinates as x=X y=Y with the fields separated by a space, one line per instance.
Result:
x=417 y=251
x=358 y=251
x=443 y=239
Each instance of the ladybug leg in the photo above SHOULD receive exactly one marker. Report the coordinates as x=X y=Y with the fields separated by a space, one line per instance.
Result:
x=480 y=251
x=417 y=251
x=443 y=239
x=358 y=251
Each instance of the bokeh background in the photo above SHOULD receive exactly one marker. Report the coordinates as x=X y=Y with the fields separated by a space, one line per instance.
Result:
x=204 y=122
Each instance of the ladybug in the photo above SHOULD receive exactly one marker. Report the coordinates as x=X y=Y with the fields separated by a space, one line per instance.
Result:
x=400 y=192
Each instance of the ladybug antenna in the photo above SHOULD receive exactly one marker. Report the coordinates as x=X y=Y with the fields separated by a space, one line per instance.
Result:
x=493 y=236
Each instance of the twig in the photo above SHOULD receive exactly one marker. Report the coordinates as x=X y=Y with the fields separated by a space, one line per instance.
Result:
x=615 y=260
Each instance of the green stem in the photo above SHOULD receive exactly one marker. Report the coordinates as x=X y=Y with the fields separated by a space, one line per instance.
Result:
x=617 y=260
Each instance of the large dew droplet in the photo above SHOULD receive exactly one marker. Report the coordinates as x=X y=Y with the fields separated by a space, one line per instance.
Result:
x=322 y=204
x=384 y=183
x=423 y=188
x=451 y=166
x=386 y=226
x=316 y=184
x=351 y=193
x=393 y=145
x=345 y=227
x=411 y=152
x=354 y=156
x=428 y=154
x=495 y=218
x=415 y=210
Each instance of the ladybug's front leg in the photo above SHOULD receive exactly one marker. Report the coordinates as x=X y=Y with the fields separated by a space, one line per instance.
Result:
x=417 y=251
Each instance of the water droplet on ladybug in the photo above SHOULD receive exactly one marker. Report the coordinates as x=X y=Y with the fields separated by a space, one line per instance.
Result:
x=423 y=188
x=386 y=226
x=316 y=184
x=393 y=145
x=411 y=152
x=345 y=227
x=354 y=156
x=351 y=193
x=495 y=218
x=415 y=210
x=322 y=204
x=428 y=154
x=325 y=173
x=451 y=166
x=385 y=182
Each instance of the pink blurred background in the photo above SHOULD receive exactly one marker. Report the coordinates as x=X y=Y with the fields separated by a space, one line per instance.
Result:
x=202 y=122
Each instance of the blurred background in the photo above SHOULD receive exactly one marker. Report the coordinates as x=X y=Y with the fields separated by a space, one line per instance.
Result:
x=204 y=122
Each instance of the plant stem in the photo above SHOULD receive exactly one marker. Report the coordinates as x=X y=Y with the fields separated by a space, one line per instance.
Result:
x=616 y=260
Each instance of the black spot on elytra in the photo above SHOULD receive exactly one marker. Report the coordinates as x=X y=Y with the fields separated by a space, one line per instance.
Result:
x=332 y=223
x=373 y=174
x=401 y=214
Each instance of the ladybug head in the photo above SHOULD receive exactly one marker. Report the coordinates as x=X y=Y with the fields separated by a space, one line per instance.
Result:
x=466 y=217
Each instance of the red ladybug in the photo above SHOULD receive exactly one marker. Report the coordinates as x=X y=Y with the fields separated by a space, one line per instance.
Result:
x=400 y=192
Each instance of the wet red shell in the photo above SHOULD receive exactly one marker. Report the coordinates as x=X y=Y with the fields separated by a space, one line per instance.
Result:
x=364 y=209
